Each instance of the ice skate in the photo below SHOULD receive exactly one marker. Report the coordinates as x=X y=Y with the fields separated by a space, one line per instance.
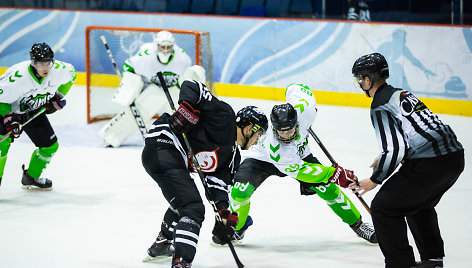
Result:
x=181 y=263
x=31 y=184
x=162 y=248
x=365 y=230
x=238 y=235
x=431 y=263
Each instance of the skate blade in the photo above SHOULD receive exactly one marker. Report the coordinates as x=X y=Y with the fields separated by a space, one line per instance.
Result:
x=32 y=188
x=156 y=259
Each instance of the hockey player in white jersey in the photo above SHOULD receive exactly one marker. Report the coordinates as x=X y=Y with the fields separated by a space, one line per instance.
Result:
x=140 y=86
x=25 y=88
x=283 y=152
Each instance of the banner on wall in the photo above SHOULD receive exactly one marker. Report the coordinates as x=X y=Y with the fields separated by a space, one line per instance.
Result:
x=431 y=61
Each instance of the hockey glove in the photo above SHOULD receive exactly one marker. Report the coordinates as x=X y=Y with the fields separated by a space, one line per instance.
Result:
x=155 y=80
x=184 y=119
x=224 y=230
x=54 y=104
x=12 y=124
x=343 y=177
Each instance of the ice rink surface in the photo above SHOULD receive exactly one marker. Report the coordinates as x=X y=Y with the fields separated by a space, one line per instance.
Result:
x=105 y=211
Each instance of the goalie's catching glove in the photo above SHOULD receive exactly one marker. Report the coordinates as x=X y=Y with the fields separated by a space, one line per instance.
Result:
x=184 y=119
x=54 y=104
x=343 y=177
x=224 y=230
x=12 y=124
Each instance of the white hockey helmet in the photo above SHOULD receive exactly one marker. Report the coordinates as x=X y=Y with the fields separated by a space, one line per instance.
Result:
x=164 y=41
x=195 y=72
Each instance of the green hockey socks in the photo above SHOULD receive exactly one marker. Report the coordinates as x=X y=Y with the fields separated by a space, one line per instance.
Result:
x=40 y=159
x=4 y=147
x=240 y=201
x=338 y=202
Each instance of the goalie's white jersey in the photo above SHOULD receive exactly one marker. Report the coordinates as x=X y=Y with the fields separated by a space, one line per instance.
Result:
x=22 y=90
x=288 y=157
x=146 y=64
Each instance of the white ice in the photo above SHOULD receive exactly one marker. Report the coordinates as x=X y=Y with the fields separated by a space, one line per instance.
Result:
x=105 y=211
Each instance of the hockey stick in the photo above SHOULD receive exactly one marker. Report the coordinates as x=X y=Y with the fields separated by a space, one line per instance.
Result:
x=132 y=106
x=323 y=148
x=199 y=170
x=42 y=110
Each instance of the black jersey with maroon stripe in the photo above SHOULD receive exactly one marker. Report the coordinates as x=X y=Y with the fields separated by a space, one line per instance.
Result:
x=213 y=139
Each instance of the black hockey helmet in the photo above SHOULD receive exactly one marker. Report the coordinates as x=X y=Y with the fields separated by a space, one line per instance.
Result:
x=372 y=65
x=253 y=116
x=284 y=117
x=41 y=52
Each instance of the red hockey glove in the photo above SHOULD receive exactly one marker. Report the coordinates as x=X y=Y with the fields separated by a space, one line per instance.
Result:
x=224 y=230
x=12 y=124
x=184 y=119
x=343 y=177
x=54 y=104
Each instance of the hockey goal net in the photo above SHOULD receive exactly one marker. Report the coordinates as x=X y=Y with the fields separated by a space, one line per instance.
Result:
x=124 y=42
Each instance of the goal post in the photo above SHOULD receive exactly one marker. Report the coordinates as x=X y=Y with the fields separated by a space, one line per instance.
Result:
x=124 y=42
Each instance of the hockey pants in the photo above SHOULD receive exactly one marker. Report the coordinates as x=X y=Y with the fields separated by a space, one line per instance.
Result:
x=252 y=173
x=186 y=211
x=42 y=134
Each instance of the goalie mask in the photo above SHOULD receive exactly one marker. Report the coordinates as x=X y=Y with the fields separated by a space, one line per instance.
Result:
x=284 y=121
x=164 y=41
x=42 y=57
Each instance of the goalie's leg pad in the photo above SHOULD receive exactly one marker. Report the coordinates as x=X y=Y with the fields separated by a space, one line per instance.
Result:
x=240 y=201
x=153 y=101
x=338 y=202
x=4 y=147
x=130 y=87
x=119 y=128
x=40 y=158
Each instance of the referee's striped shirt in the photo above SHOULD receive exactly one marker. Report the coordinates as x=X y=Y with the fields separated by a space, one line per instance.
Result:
x=406 y=129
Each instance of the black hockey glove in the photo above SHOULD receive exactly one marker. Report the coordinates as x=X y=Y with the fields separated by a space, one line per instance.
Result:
x=12 y=124
x=224 y=230
x=184 y=119
x=54 y=104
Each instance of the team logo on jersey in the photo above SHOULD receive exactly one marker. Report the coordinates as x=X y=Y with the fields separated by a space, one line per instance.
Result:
x=409 y=104
x=208 y=160
x=170 y=78
x=34 y=102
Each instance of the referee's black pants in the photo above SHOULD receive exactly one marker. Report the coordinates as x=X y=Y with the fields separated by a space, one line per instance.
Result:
x=412 y=193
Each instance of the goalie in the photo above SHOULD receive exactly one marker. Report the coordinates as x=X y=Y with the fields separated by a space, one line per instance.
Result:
x=140 y=93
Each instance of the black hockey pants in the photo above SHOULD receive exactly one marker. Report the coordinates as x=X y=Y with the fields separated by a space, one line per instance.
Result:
x=412 y=193
x=167 y=167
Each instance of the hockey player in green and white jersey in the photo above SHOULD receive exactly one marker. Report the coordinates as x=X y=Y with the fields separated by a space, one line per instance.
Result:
x=284 y=151
x=141 y=86
x=25 y=88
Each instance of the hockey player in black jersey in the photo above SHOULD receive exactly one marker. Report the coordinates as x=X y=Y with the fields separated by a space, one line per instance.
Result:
x=210 y=127
x=432 y=160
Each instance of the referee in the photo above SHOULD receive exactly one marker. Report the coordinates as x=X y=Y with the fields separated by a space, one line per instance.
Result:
x=432 y=160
